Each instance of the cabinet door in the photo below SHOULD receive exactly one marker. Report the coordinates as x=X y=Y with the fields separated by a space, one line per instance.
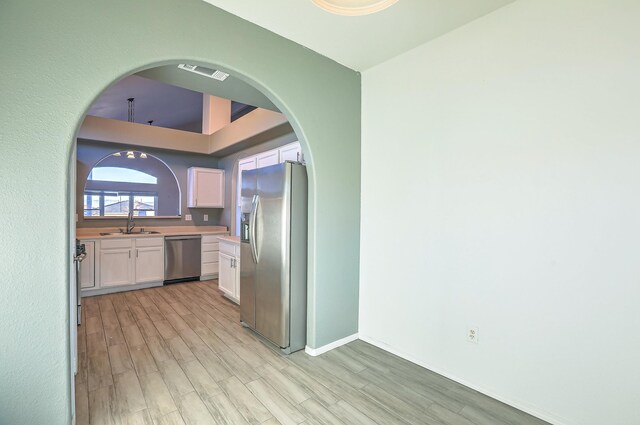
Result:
x=291 y=152
x=226 y=275
x=267 y=158
x=88 y=266
x=149 y=264
x=236 y=272
x=206 y=188
x=116 y=267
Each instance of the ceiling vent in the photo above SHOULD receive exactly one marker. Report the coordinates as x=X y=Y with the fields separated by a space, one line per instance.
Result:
x=206 y=72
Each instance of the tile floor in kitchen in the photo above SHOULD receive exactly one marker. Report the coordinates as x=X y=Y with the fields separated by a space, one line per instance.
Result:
x=178 y=355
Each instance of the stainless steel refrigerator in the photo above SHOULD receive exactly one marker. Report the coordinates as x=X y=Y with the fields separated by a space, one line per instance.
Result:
x=273 y=254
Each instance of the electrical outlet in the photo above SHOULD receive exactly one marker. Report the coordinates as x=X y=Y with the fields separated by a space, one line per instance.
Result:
x=206 y=217
x=187 y=217
x=472 y=334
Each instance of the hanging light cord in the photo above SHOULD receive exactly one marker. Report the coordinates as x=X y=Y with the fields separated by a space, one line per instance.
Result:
x=131 y=115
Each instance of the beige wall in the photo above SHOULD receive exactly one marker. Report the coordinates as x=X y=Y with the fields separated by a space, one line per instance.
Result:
x=216 y=113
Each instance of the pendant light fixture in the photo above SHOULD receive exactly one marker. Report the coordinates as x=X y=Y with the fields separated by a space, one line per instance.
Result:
x=353 y=7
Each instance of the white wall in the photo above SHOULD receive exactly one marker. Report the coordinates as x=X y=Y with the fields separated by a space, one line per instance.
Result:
x=501 y=189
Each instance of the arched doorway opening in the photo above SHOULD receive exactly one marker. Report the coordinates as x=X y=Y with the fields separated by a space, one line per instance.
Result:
x=97 y=191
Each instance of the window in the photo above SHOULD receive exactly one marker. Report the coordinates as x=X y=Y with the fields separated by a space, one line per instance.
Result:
x=131 y=181
x=120 y=174
x=117 y=204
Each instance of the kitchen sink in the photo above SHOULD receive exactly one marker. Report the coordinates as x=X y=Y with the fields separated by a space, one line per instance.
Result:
x=141 y=232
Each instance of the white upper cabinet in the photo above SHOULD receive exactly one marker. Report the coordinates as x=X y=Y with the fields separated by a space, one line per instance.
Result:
x=290 y=152
x=267 y=158
x=205 y=188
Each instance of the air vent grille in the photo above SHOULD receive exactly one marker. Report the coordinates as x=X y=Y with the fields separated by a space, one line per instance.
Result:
x=206 y=72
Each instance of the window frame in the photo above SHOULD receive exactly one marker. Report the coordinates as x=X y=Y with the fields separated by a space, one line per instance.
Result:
x=131 y=194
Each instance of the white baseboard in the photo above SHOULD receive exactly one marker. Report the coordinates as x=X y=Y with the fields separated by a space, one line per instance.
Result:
x=114 y=289
x=525 y=407
x=320 y=350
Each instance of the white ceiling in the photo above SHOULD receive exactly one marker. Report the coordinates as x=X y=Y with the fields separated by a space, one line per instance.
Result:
x=363 y=41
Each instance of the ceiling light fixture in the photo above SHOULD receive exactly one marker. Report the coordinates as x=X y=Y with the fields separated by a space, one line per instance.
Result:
x=130 y=155
x=143 y=155
x=353 y=7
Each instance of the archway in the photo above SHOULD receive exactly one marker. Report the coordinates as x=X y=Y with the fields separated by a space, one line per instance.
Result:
x=119 y=159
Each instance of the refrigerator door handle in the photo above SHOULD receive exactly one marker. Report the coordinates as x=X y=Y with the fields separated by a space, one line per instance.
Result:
x=252 y=228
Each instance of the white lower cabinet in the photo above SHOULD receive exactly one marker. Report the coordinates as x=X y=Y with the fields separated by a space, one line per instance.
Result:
x=116 y=267
x=210 y=265
x=149 y=260
x=120 y=263
x=229 y=277
x=87 y=274
x=116 y=262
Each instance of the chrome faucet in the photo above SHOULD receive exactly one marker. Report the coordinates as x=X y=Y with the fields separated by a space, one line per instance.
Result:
x=130 y=223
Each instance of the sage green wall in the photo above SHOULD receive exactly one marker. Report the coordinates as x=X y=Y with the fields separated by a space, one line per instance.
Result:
x=56 y=58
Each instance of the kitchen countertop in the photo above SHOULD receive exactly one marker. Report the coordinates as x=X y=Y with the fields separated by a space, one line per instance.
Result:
x=232 y=239
x=94 y=232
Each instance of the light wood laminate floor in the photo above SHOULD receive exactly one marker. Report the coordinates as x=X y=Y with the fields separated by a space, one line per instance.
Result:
x=178 y=355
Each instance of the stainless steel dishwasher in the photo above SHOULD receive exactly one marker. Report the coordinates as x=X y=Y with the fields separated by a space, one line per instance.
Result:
x=182 y=258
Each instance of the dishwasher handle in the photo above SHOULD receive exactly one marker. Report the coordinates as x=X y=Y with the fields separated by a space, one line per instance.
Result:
x=182 y=238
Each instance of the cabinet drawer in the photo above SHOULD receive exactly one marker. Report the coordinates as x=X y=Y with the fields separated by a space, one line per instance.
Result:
x=115 y=243
x=210 y=238
x=209 y=257
x=209 y=268
x=210 y=247
x=229 y=248
x=143 y=242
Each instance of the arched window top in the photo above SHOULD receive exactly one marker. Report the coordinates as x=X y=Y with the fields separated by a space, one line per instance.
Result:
x=121 y=174
x=131 y=181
